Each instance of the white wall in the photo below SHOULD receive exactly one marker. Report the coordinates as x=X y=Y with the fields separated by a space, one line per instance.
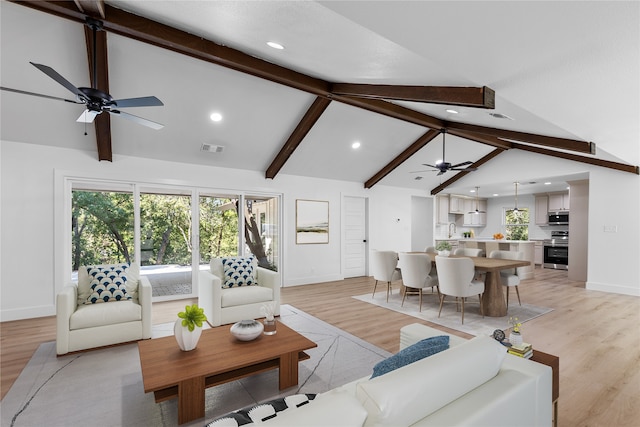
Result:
x=32 y=216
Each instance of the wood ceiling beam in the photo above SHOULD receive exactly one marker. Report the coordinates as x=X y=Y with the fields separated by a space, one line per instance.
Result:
x=102 y=122
x=461 y=174
x=402 y=157
x=308 y=120
x=549 y=141
x=93 y=8
x=480 y=97
x=392 y=110
x=481 y=138
x=589 y=160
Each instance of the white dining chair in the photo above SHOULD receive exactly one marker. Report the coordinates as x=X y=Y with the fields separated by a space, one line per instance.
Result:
x=384 y=266
x=455 y=278
x=416 y=269
x=510 y=277
x=475 y=252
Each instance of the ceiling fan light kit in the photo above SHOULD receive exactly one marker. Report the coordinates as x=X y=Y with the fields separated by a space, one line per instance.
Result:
x=444 y=166
x=95 y=100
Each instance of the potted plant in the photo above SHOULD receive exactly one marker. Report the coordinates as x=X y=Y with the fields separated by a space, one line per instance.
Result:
x=443 y=248
x=188 y=327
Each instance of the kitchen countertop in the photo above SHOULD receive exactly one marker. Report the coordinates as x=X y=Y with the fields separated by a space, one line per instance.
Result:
x=491 y=239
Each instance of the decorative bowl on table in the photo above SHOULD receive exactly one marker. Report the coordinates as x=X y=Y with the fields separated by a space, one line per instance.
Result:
x=247 y=330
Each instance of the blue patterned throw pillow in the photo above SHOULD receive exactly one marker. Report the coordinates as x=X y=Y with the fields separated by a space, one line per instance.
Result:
x=425 y=348
x=108 y=283
x=238 y=271
x=262 y=412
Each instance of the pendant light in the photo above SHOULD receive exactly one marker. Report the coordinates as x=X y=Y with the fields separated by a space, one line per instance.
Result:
x=515 y=210
x=477 y=211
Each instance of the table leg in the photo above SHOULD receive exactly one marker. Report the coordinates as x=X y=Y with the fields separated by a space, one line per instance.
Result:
x=288 y=370
x=493 y=297
x=190 y=400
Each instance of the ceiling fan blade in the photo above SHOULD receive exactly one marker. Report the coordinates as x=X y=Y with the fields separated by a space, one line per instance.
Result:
x=139 y=120
x=24 y=92
x=422 y=171
x=464 y=169
x=440 y=173
x=146 y=101
x=61 y=80
x=461 y=164
x=431 y=166
x=87 y=116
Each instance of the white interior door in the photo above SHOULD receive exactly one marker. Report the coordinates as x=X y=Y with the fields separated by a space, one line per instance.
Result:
x=355 y=236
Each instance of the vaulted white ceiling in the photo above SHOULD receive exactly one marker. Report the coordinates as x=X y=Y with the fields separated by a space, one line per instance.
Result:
x=564 y=69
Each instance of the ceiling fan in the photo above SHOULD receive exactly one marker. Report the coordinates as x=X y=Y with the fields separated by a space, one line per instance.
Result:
x=444 y=166
x=95 y=100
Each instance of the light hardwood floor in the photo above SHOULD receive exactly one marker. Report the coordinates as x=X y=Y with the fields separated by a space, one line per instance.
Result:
x=595 y=334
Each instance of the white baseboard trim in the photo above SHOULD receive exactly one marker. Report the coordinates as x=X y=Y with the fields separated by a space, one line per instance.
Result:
x=312 y=280
x=27 y=313
x=614 y=289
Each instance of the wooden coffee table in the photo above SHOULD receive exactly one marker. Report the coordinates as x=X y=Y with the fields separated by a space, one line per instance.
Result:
x=169 y=372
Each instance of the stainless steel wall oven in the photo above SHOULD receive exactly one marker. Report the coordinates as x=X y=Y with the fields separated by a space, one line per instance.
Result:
x=556 y=251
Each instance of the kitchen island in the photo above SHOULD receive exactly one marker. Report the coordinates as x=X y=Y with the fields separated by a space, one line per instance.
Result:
x=488 y=245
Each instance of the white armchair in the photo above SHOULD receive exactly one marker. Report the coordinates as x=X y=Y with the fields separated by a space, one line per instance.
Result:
x=223 y=306
x=81 y=326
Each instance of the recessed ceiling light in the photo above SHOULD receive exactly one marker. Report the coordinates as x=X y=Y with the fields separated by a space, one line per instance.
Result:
x=547 y=183
x=355 y=145
x=275 y=45
x=216 y=117
x=451 y=111
x=495 y=194
x=472 y=191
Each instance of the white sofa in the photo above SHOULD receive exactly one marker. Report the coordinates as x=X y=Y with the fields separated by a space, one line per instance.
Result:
x=224 y=306
x=473 y=383
x=80 y=326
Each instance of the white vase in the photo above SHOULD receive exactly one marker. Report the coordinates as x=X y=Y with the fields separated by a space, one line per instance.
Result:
x=444 y=253
x=247 y=330
x=187 y=340
x=515 y=338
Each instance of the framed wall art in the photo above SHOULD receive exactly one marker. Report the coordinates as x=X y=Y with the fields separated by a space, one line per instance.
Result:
x=312 y=222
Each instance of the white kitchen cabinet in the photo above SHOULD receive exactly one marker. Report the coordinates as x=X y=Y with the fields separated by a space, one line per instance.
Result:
x=456 y=204
x=442 y=209
x=538 y=252
x=558 y=202
x=542 y=210
x=472 y=219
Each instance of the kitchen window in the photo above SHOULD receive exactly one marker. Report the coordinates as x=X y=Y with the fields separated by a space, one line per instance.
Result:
x=516 y=224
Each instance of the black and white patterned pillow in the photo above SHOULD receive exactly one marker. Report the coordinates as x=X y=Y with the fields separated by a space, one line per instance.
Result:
x=108 y=283
x=260 y=413
x=239 y=271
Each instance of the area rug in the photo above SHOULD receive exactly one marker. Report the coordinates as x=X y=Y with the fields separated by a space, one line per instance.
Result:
x=474 y=323
x=104 y=387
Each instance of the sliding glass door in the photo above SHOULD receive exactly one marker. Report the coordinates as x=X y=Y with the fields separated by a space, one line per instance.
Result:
x=172 y=231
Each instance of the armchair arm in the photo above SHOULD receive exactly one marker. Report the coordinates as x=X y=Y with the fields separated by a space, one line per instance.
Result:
x=144 y=298
x=66 y=303
x=210 y=296
x=270 y=279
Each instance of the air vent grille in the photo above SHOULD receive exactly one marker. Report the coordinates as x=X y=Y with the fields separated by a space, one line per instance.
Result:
x=211 y=148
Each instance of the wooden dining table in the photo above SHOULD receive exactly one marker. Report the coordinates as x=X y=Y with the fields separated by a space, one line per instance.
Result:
x=493 y=301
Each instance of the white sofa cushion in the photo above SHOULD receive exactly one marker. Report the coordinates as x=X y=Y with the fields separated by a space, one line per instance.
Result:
x=401 y=397
x=89 y=316
x=245 y=295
